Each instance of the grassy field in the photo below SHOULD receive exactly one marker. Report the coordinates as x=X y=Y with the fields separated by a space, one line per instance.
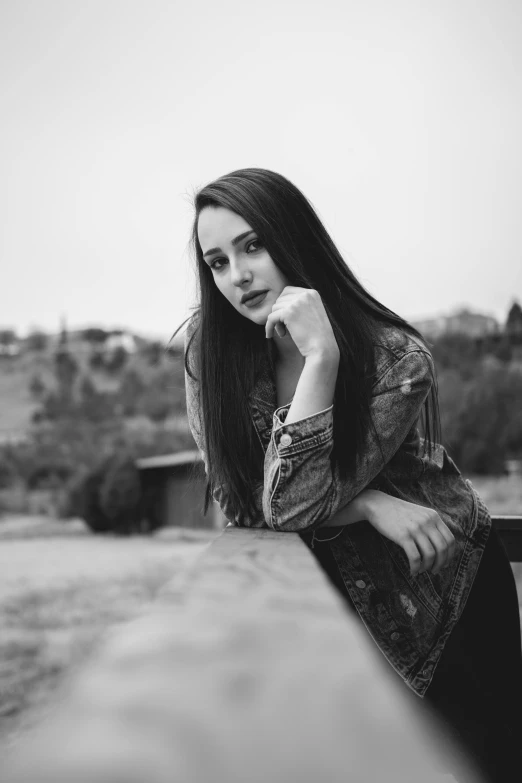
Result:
x=61 y=588
x=502 y=495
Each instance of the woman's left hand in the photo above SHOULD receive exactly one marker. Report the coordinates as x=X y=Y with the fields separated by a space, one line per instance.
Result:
x=302 y=312
x=426 y=540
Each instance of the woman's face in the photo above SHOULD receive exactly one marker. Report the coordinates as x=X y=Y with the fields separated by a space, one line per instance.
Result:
x=240 y=264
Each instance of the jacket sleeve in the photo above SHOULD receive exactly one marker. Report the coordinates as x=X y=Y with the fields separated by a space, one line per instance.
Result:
x=220 y=494
x=302 y=491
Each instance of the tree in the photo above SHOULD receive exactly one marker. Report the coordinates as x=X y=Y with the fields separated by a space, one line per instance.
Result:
x=66 y=370
x=96 y=361
x=514 y=319
x=64 y=336
x=153 y=352
x=49 y=475
x=95 y=335
x=109 y=497
x=457 y=351
x=156 y=404
x=37 y=387
x=116 y=359
x=37 y=340
x=131 y=391
x=484 y=428
x=503 y=350
x=84 y=499
x=121 y=495
x=94 y=405
x=8 y=473
x=7 y=336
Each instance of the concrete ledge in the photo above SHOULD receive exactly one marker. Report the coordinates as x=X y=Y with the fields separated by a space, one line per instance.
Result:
x=248 y=670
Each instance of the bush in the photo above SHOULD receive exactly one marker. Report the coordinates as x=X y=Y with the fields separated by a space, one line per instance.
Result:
x=121 y=495
x=96 y=361
x=49 y=475
x=131 y=390
x=109 y=497
x=153 y=353
x=483 y=422
x=8 y=472
x=156 y=405
x=37 y=387
x=94 y=406
x=95 y=335
x=37 y=341
x=83 y=500
x=116 y=360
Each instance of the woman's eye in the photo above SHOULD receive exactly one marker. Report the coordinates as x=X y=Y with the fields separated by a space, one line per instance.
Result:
x=252 y=247
x=255 y=242
x=217 y=261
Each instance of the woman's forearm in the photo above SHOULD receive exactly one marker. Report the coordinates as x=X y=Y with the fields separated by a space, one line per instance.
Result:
x=315 y=389
x=356 y=510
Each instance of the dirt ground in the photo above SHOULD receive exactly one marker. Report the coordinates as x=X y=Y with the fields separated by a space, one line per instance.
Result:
x=52 y=561
x=61 y=588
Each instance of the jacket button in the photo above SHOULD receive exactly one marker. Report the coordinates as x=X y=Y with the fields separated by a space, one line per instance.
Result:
x=360 y=583
x=285 y=439
x=395 y=636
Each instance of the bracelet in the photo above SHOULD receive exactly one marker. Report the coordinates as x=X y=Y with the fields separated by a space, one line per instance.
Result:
x=324 y=539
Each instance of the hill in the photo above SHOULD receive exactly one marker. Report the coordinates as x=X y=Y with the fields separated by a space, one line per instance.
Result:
x=118 y=360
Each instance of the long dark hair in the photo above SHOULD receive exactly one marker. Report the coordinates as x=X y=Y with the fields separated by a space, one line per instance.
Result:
x=224 y=351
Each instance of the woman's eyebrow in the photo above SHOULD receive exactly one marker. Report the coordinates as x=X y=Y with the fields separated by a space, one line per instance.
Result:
x=235 y=242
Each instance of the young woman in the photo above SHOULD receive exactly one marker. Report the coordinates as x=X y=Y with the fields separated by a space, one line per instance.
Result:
x=305 y=396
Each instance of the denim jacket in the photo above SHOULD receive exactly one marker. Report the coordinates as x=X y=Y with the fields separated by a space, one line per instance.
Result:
x=409 y=617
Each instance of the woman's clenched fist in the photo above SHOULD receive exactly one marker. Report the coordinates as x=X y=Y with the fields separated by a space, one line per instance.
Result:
x=301 y=312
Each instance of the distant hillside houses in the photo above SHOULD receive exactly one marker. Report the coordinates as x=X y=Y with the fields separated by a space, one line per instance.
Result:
x=463 y=322
x=11 y=349
x=9 y=344
x=109 y=342
x=118 y=340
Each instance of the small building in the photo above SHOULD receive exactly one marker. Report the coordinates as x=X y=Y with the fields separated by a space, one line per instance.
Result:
x=174 y=491
x=119 y=339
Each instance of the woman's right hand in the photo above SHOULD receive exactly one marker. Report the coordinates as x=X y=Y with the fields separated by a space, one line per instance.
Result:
x=427 y=541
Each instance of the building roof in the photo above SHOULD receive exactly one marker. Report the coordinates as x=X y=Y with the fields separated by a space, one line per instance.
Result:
x=169 y=460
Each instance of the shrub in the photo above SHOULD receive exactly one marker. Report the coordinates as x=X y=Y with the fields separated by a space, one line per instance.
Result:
x=121 y=495
x=49 y=475
x=156 y=405
x=116 y=360
x=96 y=360
x=37 y=387
x=109 y=497
x=153 y=352
x=95 y=335
x=131 y=390
x=37 y=341
x=484 y=424
x=83 y=500
x=8 y=472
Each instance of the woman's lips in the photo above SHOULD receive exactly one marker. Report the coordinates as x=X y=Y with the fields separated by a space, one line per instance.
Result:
x=256 y=300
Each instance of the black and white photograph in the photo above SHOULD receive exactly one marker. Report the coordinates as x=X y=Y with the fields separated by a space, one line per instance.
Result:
x=261 y=391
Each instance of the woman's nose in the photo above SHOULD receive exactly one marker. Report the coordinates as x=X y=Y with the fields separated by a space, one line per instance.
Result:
x=240 y=274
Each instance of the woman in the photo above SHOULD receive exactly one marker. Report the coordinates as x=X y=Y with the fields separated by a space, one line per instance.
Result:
x=305 y=396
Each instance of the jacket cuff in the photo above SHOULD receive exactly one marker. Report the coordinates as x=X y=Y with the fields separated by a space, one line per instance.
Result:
x=301 y=434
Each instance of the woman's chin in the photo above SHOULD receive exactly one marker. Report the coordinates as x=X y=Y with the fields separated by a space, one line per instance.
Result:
x=260 y=316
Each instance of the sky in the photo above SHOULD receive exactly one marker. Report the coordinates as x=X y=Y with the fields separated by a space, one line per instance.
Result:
x=400 y=120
